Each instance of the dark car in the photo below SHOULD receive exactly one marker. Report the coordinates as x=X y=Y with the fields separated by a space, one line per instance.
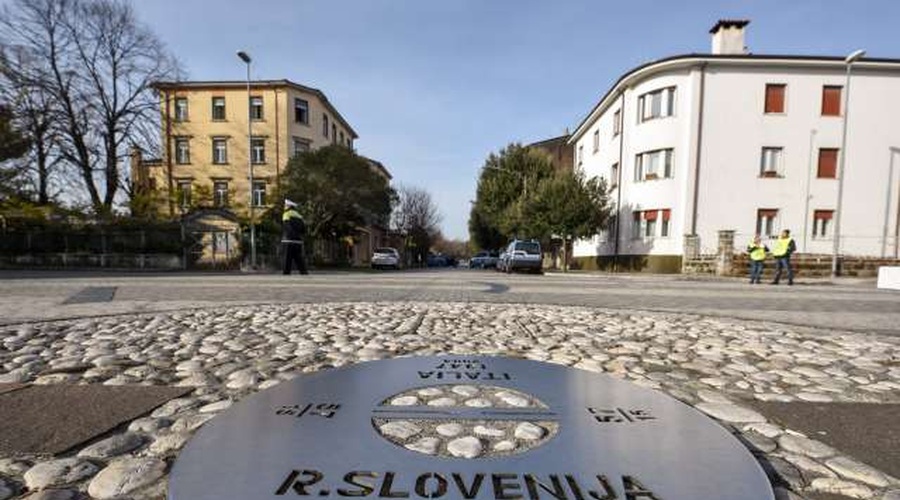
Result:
x=437 y=260
x=483 y=260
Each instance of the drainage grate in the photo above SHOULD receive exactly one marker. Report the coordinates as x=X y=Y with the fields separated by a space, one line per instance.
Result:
x=92 y=294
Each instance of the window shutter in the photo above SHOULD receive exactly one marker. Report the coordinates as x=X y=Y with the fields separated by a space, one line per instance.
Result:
x=667 y=214
x=827 y=164
x=831 y=101
x=767 y=213
x=823 y=214
x=650 y=215
x=775 y=98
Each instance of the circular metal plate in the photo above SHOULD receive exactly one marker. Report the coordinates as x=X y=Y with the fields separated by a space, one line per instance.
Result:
x=464 y=428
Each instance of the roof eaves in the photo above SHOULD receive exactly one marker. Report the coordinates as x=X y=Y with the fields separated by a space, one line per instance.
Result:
x=712 y=58
x=164 y=85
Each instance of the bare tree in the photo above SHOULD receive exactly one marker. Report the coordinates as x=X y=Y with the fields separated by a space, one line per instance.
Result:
x=417 y=217
x=35 y=118
x=95 y=63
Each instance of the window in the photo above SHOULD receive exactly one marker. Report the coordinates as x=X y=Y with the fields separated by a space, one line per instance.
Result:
x=657 y=104
x=259 y=193
x=333 y=133
x=636 y=226
x=644 y=223
x=596 y=141
x=654 y=165
x=184 y=193
x=325 y=125
x=650 y=223
x=219 y=151
x=256 y=107
x=350 y=143
x=765 y=222
x=775 y=97
x=218 y=108
x=827 y=163
x=301 y=111
x=258 y=150
x=580 y=154
x=831 y=100
x=664 y=226
x=182 y=150
x=300 y=145
x=617 y=122
x=822 y=223
x=770 y=162
x=341 y=142
x=220 y=193
x=181 y=109
x=614 y=175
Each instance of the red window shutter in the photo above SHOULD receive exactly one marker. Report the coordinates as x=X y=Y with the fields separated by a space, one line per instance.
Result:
x=667 y=214
x=831 y=101
x=767 y=213
x=775 y=98
x=650 y=215
x=823 y=214
x=827 y=164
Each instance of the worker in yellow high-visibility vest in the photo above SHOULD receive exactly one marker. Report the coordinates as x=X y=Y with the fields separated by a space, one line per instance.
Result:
x=783 y=248
x=757 y=253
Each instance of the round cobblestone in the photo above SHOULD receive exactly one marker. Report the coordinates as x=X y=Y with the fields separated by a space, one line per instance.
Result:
x=230 y=353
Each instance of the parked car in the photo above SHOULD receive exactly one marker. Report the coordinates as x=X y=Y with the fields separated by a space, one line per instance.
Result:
x=522 y=255
x=437 y=260
x=386 y=257
x=501 y=261
x=483 y=260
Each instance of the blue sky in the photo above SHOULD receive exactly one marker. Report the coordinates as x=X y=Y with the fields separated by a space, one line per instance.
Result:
x=432 y=87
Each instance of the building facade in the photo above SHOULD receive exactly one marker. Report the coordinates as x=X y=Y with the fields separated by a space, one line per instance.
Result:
x=206 y=151
x=558 y=150
x=694 y=144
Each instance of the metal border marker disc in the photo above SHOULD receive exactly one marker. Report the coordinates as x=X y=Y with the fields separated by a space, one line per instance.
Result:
x=568 y=434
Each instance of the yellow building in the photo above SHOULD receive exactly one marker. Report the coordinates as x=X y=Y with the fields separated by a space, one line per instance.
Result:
x=205 y=141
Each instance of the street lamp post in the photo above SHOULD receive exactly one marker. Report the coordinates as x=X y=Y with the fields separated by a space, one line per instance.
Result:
x=849 y=60
x=246 y=58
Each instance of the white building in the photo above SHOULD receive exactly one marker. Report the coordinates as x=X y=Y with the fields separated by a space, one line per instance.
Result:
x=694 y=144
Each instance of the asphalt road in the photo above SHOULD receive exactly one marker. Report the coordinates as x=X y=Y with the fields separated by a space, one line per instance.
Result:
x=845 y=305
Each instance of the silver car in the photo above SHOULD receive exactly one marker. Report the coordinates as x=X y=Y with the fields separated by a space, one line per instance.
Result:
x=386 y=257
x=522 y=255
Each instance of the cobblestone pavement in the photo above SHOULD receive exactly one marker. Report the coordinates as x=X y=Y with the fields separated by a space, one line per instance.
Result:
x=228 y=351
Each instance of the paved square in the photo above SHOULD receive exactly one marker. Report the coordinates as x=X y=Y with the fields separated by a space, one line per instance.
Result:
x=50 y=419
x=868 y=432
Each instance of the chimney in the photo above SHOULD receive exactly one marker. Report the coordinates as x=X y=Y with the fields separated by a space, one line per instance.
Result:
x=728 y=37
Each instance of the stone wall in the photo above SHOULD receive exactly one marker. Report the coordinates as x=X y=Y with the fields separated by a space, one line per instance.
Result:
x=818 y=266
x=727 y=262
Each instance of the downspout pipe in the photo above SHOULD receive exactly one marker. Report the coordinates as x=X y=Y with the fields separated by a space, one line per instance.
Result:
x=169 y=180
x=699 y=146
x=619 y=177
